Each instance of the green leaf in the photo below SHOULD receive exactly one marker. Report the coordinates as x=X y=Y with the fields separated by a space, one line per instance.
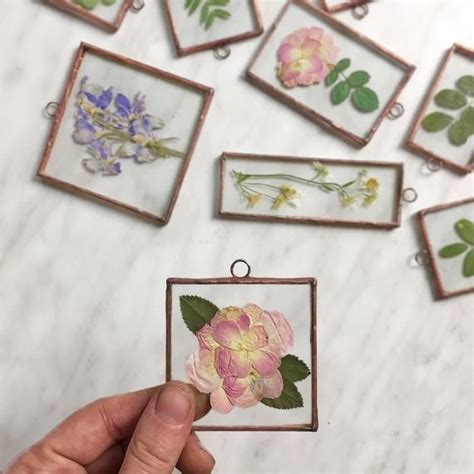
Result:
x=188 y=3
x=331 y=78
x=466 y=84
x=89 y=4
x=465 y=230
x=290 y=397
x=220 y=13
x=343 y=64
x=436 y=121
x=293 y=369
x=358 y=78
x=205 y=12
x=467 y=118
x=365 y=99
x=450 y=99
x=453 y=250
x=196 y=311
x=194 y=6
x=219 y=3
x=108 y=2
x=340 y=92
x=468 y=266
x=458 y=133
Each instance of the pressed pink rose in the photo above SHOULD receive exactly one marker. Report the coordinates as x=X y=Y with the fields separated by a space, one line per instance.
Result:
x=239 y=356
x=306 y=57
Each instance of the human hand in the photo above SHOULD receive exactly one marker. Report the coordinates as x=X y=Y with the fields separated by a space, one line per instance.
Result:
x=144 y=432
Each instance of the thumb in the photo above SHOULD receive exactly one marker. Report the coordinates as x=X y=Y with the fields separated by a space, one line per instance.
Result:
x=161 y=432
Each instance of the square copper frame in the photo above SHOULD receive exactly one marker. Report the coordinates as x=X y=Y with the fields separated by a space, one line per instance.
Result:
x=309 y=220
x=346 y=5
x=410 y=143
x=311 y=114
x=86 y=15
x=84 y=48
x=181 y=51
x=248 y=280
x=440 y=290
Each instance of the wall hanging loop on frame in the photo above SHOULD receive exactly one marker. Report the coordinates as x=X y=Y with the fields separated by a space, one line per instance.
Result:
x=124 y=145
x=249 y=343
x=107 y=14
x=198 y=25
x=312 y=190
x=447 y=231
x=329 y=73
x=359 y=8
x=443 y=130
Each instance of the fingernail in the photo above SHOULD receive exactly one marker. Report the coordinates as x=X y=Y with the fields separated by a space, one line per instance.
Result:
x=173 y=405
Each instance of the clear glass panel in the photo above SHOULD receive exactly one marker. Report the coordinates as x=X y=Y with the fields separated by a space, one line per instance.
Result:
x=203 y=26
x=313 y=189
x=441 y=227
x=117 y=150
x=291 y=300
x=303 y=78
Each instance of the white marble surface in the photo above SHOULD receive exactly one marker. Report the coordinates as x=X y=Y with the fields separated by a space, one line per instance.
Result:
x=82 y=286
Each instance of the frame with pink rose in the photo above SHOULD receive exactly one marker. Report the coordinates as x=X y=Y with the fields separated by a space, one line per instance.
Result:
x=296 y=297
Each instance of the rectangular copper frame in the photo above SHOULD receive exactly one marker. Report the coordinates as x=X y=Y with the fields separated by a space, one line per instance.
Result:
x=308 y=220
x=307 y=111
x=313 y=426
x=343 y=5
x=83 y=49
x=442 y=292
x=90 y=17
x=427 y=154
x=213 y=44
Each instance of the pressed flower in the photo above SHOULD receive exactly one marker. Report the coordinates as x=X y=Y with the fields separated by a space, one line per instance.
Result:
x=372 y=185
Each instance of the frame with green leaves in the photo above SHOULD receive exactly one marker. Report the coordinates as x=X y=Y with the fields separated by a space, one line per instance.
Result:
x=193 y=310
x=452 y=118
x=457 y=249
x=206 y=14
x=85 y=9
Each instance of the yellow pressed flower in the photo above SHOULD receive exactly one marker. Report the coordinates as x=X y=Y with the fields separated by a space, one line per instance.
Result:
x=253 y=199
x=288 y=192
x=278 y=202
x=372 y=185
x=321 y=170
x=370 y=199
x=347 y=200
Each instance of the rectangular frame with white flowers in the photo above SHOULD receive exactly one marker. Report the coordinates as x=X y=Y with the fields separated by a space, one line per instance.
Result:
x=192 y=315
x=350 y=193
x=437 y=136
x=124 y=133
x=110 y=21
x=314 y=64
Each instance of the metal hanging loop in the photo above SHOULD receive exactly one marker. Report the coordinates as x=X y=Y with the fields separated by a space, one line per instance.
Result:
x=51 y=109
x=396 y=111
x=360 y=11
x=222 y=52
x=434 y=165
x=240 y=261
x=409 y=195
x=422 y=258
x=137 y=5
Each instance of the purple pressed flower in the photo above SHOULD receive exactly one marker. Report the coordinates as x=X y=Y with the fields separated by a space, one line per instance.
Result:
x=123 y=105
x=138 y=106
x=84 y=133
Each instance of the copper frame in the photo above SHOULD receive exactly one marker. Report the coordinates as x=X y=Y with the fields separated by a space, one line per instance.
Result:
x=186 y=83
x=182 y=51
x=310 y=220
x=410 y=143
x=441 y=291
x=248 y=280
x=345 y=5
x=90 y=17
x=311 y=114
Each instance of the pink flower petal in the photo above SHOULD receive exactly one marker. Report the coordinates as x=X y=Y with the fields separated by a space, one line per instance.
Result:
x=289 y=53
x=220 y=401
x=232 y=363
x=227 y=334
x=200 y=368
x=205 y=338
x=248 y=399
x=272 y=386
x=265 y=363
x=234 y=387
x=280 y=333
x=243 y=322
x=258 y=337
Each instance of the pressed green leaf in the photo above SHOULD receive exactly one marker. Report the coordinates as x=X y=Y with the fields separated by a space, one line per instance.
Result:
x=365 y=99
x=340 y=92
x=466 y=84
x=196 y=311
x=453 y=250
x=290 y=397
x=194 y=6
x=450 y=99
x=222 y=14
x=458 y=133
x=358 y=78
x=467 y=118
x=294 y=369
x=343 y=64
x=436 y=121
x=468 y=266
x=89 y=4
x=205 y=12
x=465 y=230
x=331 y=78
x=108 y=2
x=188 y=3
x=218 y=3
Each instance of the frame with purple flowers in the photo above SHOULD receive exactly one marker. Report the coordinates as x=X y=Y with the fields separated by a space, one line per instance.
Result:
x=247 y=281
x=200 y=95
x=77 y=10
